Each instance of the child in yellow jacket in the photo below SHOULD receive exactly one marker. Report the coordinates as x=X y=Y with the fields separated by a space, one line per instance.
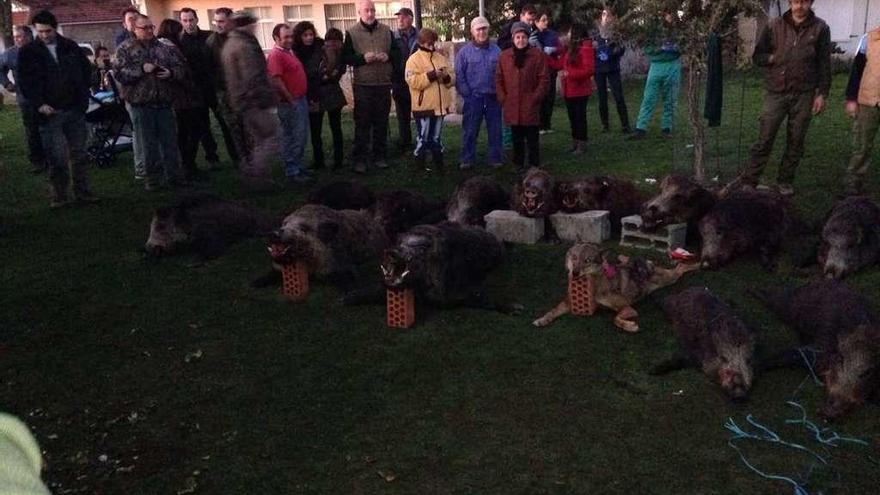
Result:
x=430 y=78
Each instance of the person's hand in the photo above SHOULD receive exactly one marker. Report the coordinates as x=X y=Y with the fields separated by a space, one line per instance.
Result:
x=163 y=73
x=381 y=57
x=852 y=108
x=46 y=110
x=149 y=68
x=818 y=104
x=370 y=57
x=549 y=50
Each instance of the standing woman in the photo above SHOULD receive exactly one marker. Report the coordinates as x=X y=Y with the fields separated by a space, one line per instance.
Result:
x=188 y=103
x=429 y=77
x=521 y=82
x=546 y=40
x=322 y=61
x=577 y=85
x=608 y=55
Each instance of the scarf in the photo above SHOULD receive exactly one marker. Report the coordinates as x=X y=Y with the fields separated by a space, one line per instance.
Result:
x=519 y=56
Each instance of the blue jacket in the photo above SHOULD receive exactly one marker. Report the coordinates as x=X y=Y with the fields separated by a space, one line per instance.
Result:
x=9 y=63
x=608 y=55
x=475 y=70
x=406 y=49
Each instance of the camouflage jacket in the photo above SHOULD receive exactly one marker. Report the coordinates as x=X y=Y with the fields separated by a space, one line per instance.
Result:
x=140 y=88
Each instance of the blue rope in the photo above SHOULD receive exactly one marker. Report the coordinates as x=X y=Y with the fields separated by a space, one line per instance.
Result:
x=825 y=436
x=810 y=362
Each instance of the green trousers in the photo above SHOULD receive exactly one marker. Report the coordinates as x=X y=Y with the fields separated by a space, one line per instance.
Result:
x=797 y=109
x=664 y=80
x=864 y=129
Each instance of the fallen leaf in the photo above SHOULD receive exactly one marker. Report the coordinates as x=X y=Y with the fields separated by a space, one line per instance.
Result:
x=388 y=477
x=193 y=355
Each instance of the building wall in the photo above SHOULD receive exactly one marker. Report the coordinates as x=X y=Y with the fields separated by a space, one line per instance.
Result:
x=324 y=14
x=96 y=34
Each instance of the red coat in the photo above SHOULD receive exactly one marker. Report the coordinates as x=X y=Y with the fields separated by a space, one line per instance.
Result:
x=579 y=81
x=520 y=91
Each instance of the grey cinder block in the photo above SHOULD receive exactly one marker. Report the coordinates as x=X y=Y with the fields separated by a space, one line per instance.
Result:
x=589 y=226
x=510 y=226
x=663 y=239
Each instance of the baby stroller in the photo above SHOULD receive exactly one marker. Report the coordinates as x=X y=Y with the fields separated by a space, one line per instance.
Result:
x=110 y=126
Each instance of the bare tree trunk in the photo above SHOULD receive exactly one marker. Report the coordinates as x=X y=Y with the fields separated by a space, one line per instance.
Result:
x=698 y=128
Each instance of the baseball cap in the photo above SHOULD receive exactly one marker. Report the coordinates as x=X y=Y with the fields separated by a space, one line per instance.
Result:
x=479 y=22
x=406 y=11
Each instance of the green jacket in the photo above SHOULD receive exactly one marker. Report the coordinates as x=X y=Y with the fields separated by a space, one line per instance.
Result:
x=362 y=38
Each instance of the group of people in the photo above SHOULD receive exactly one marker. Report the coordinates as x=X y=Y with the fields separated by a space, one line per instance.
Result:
x=172 y=77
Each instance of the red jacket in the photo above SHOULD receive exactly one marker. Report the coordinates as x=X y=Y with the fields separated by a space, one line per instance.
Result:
x=579 y=81
x=520 y=91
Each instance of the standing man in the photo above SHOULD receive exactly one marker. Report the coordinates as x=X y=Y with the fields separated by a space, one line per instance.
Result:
x=288 y=77
x=253 y=100
x=148 y=72
x=608 y=55
x=862 y=100
x=406 y=35
x=795 y=52
x=127 y=31
x=475 y=67
x=233 y=134
x=371 y=49
x=22 y=35
x=193 y=44
x=55 y=77
x=527 y=15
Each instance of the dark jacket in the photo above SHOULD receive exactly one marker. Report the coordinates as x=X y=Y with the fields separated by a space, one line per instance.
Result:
x=122 y=36
x=9 y=63
x=608 y=55
x=323 y=75
x=63 y=85
x=139 y=88
x=198 y=61
x=520 y=91
x=407 y=46
x=801 y=55
x=246 y=73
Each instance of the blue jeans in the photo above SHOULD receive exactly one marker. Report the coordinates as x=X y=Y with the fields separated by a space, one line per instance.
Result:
x=63 y=135
x=428 y=139
x=294 y=119
x=155 y=128
x=136 y=151
x=477 y=108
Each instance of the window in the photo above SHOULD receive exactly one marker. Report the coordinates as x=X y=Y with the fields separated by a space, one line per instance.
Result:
x=298 y=13
x=264 y=25
x=343 y=15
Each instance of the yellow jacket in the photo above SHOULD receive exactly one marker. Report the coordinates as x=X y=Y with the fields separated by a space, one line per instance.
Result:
x=429 y=97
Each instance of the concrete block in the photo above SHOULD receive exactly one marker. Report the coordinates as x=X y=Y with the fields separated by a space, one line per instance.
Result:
x=589 y=226
x=663 y=239
x=510 y=226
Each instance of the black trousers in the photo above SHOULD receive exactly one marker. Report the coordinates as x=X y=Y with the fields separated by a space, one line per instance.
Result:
x=548 y=102
x=210 y=145
x=192 y=125
x=403 y=108
x=603 y=80
x=316 y=123
x=577 y=116
x=525 y=136
x=372 y=104
x=30 y=121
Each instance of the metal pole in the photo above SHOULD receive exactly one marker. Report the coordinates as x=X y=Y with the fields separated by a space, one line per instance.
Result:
x=417 y=10
x=482 y=8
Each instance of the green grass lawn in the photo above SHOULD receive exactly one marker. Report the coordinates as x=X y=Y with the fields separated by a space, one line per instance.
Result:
x=185 y=377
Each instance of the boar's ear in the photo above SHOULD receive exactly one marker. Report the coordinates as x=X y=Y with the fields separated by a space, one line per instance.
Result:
x=327 y=231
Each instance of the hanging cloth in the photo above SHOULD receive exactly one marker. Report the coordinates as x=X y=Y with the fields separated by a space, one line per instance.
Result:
x=714 y=81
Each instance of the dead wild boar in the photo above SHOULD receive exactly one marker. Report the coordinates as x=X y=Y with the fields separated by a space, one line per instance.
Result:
x=841 y=325
x=206 y=225
x=619 y=197
x=533 y=196
x=743 y=222
x=850 y=237
x=711 y=337
x=681 y=200
x=398 y=211
x=343 y=195
x=475 y=198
